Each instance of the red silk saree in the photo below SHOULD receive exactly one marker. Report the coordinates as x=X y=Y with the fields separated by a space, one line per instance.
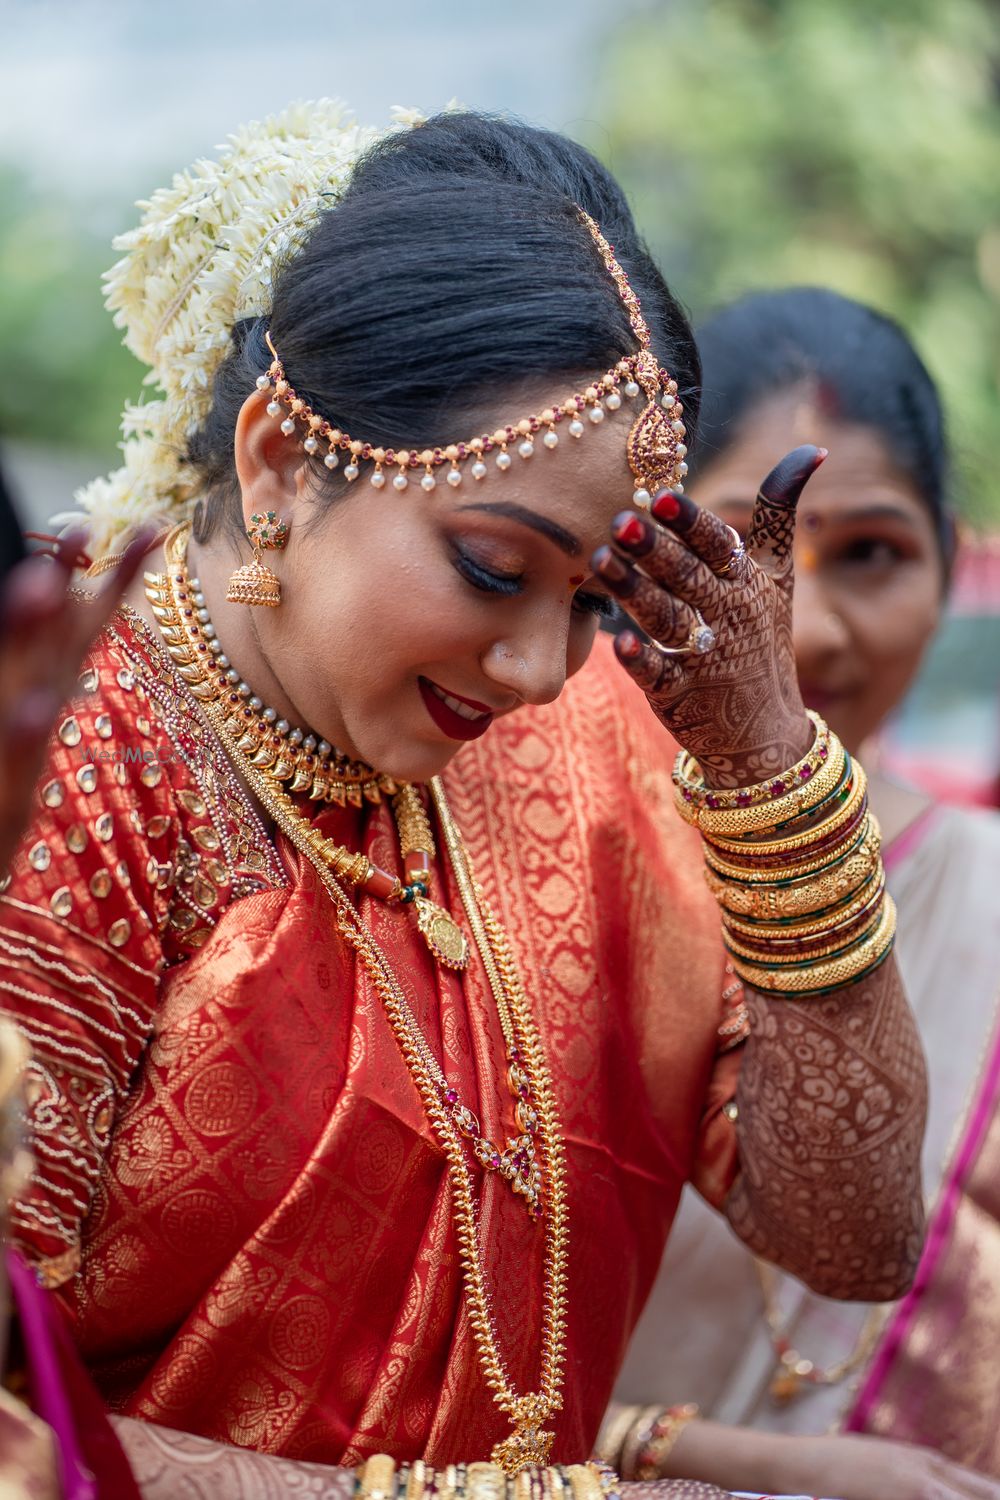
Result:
x=237 y=1195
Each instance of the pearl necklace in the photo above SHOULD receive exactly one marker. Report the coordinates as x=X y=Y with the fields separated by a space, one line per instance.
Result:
x=287 y=754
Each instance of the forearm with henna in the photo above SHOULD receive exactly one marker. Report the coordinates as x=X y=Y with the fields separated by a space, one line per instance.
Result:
x=831 y=1104
x=170 y=1465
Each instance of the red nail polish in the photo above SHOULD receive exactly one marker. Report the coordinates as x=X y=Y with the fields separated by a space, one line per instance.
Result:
x=666 y=507
x=627 y=645
x=631 y=532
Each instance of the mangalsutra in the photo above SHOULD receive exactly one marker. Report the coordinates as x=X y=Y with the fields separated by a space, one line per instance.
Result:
x=170 y=595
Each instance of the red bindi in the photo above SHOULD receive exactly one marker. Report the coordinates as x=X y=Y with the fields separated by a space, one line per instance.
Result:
x=576 y=580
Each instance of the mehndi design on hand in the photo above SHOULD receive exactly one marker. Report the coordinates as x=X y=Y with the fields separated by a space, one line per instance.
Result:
x=735 y=706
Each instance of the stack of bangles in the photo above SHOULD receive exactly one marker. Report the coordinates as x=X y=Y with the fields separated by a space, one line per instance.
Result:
x=795 y=866
x=635 y=1440
x=380 y=1478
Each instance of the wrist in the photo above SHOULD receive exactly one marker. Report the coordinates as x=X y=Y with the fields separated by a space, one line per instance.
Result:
x=790 y=741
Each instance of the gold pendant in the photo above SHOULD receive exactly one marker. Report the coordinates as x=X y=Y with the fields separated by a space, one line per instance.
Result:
x=526 y=1447
x=442 y=934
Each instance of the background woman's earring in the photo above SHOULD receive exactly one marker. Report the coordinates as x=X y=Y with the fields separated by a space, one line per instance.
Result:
x=254 y=583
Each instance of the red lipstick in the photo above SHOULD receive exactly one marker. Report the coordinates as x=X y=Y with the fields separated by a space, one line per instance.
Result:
x=447 y=719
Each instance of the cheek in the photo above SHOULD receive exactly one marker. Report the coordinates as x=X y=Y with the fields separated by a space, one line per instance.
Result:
x=894 y=627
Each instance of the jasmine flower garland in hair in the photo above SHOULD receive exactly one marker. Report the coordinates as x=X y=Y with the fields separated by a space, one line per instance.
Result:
x=201 y=258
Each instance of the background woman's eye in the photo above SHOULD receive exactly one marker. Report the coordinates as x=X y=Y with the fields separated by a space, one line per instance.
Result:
x=507 y=584
x=871 y=552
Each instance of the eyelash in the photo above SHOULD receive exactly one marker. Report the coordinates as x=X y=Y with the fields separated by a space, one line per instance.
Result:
x=509 y=587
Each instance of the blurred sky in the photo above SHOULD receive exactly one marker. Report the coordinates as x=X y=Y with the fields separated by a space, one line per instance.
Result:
x=103 y=97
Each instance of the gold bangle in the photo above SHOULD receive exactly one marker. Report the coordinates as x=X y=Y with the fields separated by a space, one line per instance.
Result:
x=377 y=1477
x=584 y=1482
x=666 y=1430
x=485 y=1481
x=807 y=840
x=835 y=916
x=804 y=897
x=792 y=872
x=614 y=1431
x=693 y=797
x=767 y=815
x=816 y=979
x=763 y=953
x=636 y=1437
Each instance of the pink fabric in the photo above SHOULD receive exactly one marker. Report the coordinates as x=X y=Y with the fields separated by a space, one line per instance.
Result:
x=938 y=1234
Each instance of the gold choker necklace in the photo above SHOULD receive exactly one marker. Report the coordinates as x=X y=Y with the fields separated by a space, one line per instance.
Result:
x=170 y=595
x=271 y=744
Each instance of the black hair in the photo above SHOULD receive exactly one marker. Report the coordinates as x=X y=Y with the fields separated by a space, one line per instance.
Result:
x=454 y=268
x=864 y=367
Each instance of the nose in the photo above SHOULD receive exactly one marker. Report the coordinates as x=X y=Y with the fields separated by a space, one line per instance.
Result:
x=818 y=630
x=533 y=663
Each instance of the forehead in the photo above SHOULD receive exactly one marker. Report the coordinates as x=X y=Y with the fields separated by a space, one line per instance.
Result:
x=860 y=463
x=580 y=484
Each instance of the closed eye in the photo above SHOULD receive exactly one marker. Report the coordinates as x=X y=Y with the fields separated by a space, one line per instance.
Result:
x=595 y=604
x=506 y=584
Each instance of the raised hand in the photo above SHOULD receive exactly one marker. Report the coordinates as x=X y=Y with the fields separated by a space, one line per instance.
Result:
x=719 y=665
x=44 y=634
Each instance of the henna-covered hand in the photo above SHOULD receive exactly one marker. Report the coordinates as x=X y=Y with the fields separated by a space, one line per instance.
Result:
x=736 y=707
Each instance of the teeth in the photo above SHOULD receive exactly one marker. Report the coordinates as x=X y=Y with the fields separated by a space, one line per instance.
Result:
x=456 y=705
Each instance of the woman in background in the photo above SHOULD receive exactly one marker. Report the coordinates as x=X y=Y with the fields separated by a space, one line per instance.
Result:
x=873 y=551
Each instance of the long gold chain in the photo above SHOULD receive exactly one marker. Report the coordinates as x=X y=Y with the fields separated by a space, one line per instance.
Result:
x=528 y=1077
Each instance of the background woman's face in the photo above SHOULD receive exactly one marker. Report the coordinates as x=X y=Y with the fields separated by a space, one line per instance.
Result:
x=868 y=570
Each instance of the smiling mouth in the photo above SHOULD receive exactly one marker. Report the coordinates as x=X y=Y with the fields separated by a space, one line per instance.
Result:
x=459 y=718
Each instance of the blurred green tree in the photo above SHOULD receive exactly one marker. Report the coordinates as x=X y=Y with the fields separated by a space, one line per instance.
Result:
x=854 y=144
x=67 y=374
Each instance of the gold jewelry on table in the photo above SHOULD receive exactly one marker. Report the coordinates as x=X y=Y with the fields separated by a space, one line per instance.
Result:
x=377 y=1478
x=794 y=1374
x=655 y=446
x=833 y=974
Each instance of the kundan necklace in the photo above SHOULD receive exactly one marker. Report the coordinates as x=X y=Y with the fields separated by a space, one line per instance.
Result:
x=528 y=1444
x=191 y=640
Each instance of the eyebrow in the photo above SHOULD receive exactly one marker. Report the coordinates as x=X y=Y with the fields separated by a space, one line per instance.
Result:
x=874 y=512
x=563 y=539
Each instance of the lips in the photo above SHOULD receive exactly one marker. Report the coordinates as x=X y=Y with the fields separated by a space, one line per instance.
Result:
x=459 y=718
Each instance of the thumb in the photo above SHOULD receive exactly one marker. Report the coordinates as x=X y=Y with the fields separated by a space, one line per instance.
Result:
x=772 y=529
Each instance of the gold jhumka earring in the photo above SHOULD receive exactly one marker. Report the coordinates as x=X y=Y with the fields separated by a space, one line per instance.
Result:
x=254 y=583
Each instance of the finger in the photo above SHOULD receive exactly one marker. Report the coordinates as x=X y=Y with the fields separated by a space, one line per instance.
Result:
x=646 y=663
x=659 y=613
x=707 y=536
x=772 y=529
x=666 y=560
x=94 y=615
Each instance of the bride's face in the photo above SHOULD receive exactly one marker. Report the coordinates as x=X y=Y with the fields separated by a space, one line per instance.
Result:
x=410 y=622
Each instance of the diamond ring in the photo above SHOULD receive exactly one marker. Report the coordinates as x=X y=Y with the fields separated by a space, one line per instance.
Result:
x=701 y=639
x=737 y=555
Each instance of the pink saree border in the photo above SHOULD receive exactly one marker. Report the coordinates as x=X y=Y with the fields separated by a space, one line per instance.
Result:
x=980 y=1114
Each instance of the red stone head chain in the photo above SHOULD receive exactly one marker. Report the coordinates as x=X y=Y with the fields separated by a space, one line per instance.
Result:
x=655 y=446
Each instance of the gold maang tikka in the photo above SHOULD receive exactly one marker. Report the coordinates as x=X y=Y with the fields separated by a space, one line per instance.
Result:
x=655 y=446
